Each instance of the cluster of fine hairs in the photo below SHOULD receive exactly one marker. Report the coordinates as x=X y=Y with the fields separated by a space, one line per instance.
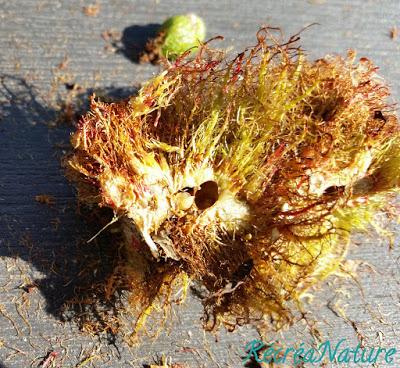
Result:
x=246 y=175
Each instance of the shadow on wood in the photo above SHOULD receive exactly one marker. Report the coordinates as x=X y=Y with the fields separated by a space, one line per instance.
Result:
x=134 y=39
x=51 y=236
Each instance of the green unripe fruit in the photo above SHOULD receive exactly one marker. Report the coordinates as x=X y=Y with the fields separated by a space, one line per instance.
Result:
x=181 y=32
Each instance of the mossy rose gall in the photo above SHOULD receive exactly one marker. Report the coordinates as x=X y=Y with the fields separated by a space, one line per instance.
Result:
x=247 y=175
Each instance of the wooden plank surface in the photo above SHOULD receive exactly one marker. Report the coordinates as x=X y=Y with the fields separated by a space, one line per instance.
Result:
x=47 y=46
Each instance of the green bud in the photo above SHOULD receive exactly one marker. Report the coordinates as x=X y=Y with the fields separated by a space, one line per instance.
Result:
x=181 y=32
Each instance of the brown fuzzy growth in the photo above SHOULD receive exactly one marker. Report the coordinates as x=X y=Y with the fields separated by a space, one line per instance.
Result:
x=247 y=175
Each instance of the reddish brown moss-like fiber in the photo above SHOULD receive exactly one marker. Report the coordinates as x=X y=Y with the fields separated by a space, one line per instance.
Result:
x=295 y=154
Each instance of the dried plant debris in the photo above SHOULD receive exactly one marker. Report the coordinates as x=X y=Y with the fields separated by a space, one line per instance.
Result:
x=169 y=366
x=91 y=10
x=49 y=360
x=176 y=35
x=45 y=199
x=165 y=362
x=394 y=33
x=246 y=175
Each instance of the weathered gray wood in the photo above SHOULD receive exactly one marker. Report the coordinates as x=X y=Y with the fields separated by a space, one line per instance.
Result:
x=36 y=36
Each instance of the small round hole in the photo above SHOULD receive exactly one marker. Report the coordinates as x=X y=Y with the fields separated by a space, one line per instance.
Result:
x=334 y=189
x=207 y=195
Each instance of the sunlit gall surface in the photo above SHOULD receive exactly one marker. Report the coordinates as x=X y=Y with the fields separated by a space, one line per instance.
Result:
x=264 y=163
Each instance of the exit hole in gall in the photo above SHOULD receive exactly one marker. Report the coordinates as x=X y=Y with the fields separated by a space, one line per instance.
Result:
x=207 y=195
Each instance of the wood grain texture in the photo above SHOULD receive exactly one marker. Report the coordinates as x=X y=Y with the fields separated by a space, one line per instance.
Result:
x=38 y=242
